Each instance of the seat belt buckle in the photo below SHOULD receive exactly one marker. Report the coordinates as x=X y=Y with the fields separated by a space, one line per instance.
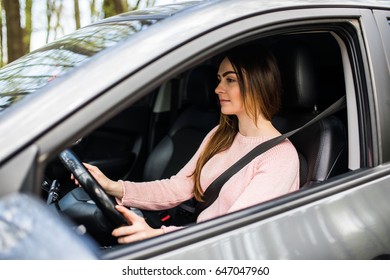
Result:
x=165 y=218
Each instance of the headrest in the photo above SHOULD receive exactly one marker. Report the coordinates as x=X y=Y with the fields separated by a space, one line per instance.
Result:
x=201 y=84
x=299 y=75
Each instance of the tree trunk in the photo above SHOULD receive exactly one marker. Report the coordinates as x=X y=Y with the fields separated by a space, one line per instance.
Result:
x=114 y=7
x=15 y=45
x=93 y=11
x=49 y=11
x=137 y=5
x=54 y=9
x=58 y=12
x=28 y=26
x=150 y=3
x=77 y=13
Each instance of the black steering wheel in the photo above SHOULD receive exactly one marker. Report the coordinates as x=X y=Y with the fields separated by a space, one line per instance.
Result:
x=92 y=187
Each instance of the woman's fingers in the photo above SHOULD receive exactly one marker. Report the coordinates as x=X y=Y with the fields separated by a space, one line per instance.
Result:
x=129 y=215
x=138 y=229
x=74 y=179
x=91 y=168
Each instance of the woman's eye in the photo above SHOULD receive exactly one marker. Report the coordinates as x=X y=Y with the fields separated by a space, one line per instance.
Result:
x=230 y=80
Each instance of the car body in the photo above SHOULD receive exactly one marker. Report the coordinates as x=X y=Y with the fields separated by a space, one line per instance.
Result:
x=103 y=91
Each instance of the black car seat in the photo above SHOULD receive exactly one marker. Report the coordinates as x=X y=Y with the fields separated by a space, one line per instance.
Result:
x=184 y=137
x=322 y=147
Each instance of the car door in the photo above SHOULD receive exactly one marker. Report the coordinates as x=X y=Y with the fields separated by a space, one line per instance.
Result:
x=342 y=218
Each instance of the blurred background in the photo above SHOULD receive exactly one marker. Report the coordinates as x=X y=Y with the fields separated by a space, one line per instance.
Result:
x=29 y=24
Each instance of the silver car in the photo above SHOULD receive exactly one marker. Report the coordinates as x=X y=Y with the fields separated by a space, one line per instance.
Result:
x=134 y=95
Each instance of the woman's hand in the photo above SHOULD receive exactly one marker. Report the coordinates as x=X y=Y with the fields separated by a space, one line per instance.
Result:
x=111 y=187
x=138 y=229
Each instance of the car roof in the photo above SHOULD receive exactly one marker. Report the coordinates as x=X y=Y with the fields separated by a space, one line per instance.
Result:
x=165 y=11
x=150 y=13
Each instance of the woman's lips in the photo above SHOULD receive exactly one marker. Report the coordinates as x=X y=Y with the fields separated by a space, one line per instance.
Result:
x=222 y=101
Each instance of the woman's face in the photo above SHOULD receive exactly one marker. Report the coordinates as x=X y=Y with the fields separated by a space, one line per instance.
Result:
x=228 y=90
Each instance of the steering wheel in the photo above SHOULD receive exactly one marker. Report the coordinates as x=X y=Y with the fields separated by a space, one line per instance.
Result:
x=92 y=187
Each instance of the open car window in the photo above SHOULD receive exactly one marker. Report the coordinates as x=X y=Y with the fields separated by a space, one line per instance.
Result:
x=127 y=149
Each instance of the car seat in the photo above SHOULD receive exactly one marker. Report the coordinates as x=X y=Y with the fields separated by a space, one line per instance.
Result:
x=322 y=147
x=185 y=135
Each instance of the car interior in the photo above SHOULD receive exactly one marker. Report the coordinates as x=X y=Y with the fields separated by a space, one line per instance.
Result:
x=155 y=137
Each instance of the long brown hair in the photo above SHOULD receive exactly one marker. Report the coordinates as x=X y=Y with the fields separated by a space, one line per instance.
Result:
x=260 y=86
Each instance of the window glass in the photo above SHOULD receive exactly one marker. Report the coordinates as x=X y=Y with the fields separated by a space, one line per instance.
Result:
x=40 y=67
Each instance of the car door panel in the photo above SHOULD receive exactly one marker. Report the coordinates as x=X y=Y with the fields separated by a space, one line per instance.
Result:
x=350 y=224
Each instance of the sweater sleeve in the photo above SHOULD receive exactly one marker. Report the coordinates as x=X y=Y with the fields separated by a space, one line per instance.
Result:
x=276 y=174
x=165 y=193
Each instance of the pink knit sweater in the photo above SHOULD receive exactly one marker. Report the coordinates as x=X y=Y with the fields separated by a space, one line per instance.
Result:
x=273 y=173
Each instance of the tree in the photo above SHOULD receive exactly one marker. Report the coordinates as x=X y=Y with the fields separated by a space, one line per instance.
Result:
x=15 y=38
x=15 y=46
x=77 y=14
x=28 y=25
x=93 y=10
x=54 y=8
x=114 y=7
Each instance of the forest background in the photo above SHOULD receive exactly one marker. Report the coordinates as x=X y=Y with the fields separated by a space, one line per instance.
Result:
x=29 y=24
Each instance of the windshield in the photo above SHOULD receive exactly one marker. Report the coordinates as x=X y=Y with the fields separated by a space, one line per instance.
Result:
x=38 y=68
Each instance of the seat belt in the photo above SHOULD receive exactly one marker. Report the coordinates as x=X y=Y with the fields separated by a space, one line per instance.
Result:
x=212 y=192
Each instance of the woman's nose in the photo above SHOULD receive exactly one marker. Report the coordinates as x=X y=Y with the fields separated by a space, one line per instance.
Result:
x=219 y=88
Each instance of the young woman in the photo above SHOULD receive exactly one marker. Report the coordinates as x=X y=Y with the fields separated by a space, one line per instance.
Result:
x=249 y=94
